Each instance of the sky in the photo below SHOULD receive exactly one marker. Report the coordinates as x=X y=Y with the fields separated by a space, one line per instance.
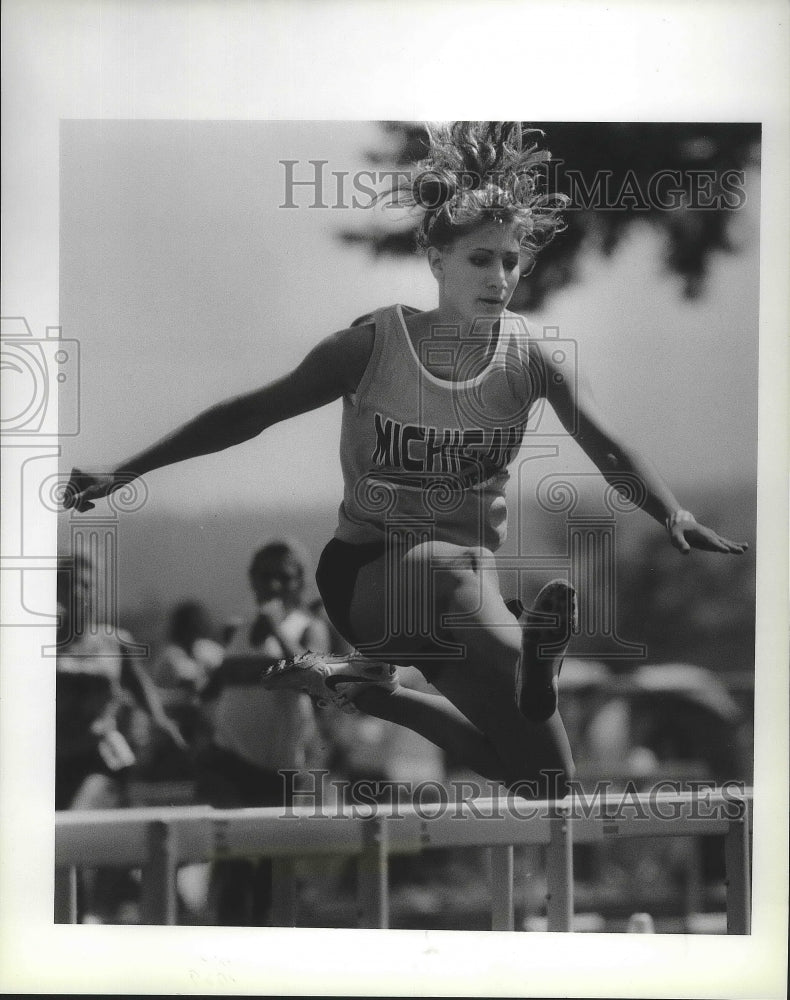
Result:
x=185 y=281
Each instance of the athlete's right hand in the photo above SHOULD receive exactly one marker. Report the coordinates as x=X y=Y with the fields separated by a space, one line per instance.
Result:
x=84 y=487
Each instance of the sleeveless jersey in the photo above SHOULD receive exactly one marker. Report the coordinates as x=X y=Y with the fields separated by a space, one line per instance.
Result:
x=427 y=455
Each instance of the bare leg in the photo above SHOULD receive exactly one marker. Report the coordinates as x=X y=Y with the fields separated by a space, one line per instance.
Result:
x=439 y=721
x=464 y=607
x=547 y=627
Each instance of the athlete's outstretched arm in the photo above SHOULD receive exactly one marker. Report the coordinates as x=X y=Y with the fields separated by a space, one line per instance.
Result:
x=574 y=405
x=332 y=369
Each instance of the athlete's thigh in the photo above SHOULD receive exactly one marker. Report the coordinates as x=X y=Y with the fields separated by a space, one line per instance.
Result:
x=401 y=602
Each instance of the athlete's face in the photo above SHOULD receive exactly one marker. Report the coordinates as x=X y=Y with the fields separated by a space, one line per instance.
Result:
x=479 y=271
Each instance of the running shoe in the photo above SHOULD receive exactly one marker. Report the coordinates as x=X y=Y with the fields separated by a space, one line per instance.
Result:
x=547 y=628
x=330 y=680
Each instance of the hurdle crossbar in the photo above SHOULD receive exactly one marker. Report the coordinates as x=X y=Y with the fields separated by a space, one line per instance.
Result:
x=158 y=840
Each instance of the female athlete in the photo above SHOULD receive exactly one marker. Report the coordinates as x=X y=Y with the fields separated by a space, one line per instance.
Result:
x=434 y=408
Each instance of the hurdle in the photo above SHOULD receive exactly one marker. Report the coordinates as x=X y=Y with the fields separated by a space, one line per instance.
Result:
x=158 y=840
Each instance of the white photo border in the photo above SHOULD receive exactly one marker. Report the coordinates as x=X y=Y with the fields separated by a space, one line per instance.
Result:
x=257 y=60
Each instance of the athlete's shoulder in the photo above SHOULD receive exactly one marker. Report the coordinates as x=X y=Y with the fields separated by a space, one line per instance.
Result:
x=370 y=318
x=347 y=353
x=348 y=345
x=362 y=344
x=367 y=333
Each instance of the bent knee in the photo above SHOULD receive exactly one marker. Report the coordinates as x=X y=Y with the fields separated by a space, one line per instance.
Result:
x=441 y=555
x=450 y=566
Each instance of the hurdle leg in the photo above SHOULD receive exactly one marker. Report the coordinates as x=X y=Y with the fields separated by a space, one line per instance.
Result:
x=284 y=902
x=693 y=878
x=737 y=867
x=502 y=888
x=373 y=877
x=159 y=900
x=559 y=875
x=66 y=895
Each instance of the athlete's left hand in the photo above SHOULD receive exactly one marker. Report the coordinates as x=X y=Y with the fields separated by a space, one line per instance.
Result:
x=686 y=533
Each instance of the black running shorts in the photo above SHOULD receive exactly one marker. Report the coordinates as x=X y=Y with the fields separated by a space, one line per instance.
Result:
x=336 y=578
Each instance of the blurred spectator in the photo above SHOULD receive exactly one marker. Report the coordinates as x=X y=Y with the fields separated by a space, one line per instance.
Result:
x=192 y=653
x=670 y=715
x=257 y=732
x=181 y=672
x=97 y=685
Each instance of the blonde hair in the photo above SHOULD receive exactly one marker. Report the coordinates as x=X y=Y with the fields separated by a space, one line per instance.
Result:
x=478 y=172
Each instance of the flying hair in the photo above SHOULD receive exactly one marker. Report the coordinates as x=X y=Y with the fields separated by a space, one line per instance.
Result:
x=478 y=172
